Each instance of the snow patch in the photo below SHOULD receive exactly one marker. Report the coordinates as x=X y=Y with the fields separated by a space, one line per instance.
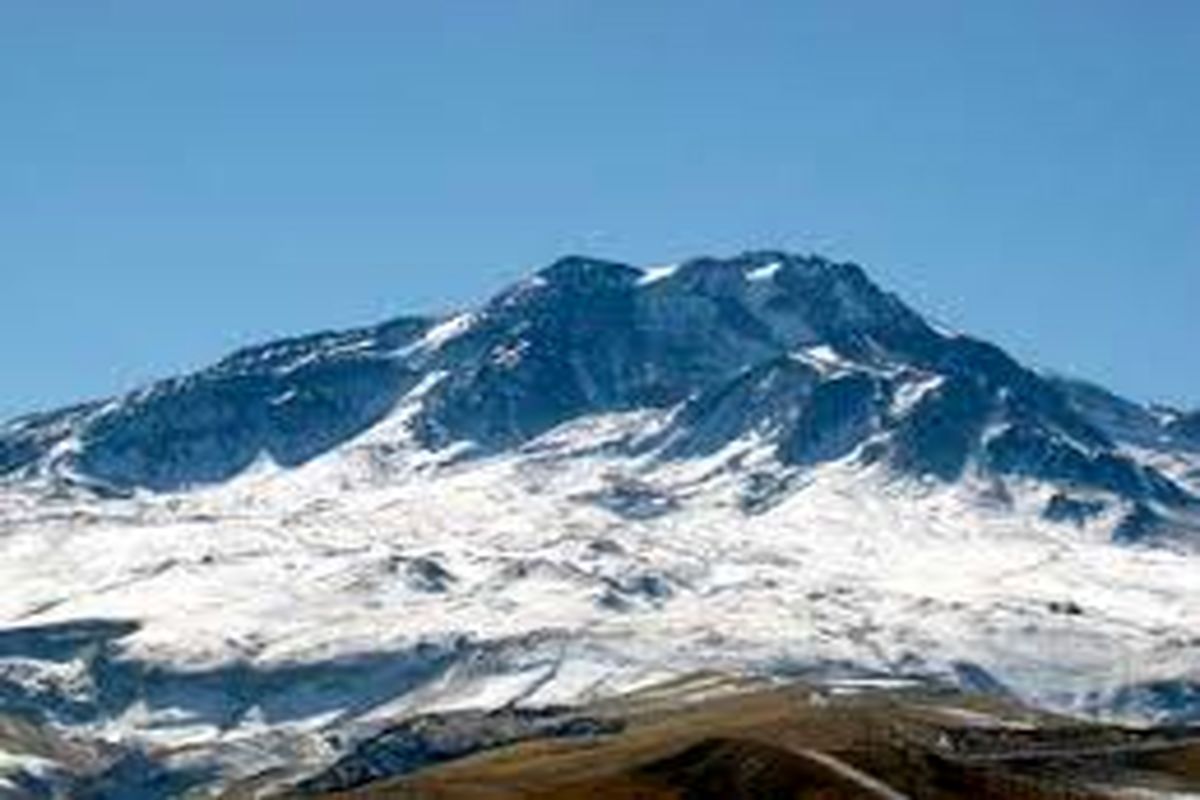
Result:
x=13 y=765
x=444 y=332
x=824 y=358
x=764 y=273
x=912 y=392
x=652 y=275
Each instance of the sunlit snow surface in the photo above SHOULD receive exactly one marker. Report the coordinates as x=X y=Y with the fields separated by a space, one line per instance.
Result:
x=656 y=274
x=568 y=570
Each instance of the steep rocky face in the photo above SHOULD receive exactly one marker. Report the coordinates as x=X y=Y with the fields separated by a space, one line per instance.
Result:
x=805 y=412
x=803 y=353
x=584 y=335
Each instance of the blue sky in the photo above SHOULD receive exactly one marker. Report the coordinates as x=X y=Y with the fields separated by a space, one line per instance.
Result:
x=177 y=179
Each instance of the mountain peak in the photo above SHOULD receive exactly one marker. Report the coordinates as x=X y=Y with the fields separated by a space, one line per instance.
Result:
x=584 y=272
x=799 y=350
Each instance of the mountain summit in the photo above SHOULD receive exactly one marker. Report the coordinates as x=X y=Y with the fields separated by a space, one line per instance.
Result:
x=602 y=478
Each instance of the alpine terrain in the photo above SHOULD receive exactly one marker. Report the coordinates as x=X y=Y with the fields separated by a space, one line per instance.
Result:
x=603 y=479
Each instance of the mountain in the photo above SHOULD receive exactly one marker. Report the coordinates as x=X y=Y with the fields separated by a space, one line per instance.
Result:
x=803 y=347
x=604 y=475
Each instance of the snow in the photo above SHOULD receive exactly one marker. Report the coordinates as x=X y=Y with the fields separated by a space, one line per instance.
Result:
x=858 y=685
x=979 y=719
x=1179 y=467
x=942 y=329
x=442 y=333
x=280 y=568
x=509 y=356
x=824 y=358
x=824 y=353
x=910 y=393
x=652 y=275
x=14 y=764
x=764 y=273
x=284 y=398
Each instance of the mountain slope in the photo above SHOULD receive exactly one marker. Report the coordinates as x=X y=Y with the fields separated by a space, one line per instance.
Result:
x=601 y=477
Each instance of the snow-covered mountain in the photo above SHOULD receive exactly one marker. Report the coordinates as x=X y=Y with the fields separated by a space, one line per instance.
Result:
x=603 y=476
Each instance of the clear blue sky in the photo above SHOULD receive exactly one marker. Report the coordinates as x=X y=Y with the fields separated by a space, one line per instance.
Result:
x=180 y=178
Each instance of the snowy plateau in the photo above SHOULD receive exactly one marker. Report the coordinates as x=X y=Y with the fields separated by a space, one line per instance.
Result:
x=602 y=478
